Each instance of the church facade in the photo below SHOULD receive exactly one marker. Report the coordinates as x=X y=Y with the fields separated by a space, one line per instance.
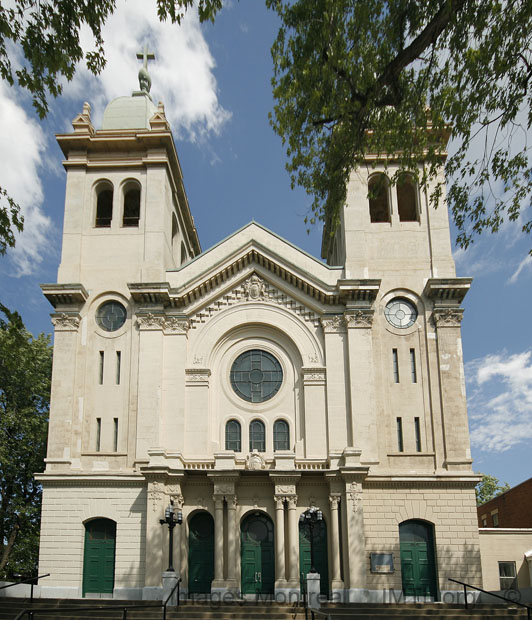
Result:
x=250 y=388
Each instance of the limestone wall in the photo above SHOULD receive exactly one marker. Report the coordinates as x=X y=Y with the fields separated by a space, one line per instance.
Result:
x=66 y=508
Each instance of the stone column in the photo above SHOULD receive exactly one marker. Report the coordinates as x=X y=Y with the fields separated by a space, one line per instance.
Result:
x=231 y=542
x=293 y=544
x=337 y=583
x=218 y=542
x=280 y=569
x=361 y=381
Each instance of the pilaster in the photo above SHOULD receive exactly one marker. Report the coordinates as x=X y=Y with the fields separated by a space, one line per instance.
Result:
x=338 y=414
x=315 y=419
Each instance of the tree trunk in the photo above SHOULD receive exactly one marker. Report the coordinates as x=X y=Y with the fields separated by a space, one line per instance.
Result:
x=9 y=546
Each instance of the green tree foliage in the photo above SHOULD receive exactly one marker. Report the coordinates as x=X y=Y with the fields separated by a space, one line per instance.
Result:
x=394 y=78
x=40 y=47
x=488 y=488
x=25 y=373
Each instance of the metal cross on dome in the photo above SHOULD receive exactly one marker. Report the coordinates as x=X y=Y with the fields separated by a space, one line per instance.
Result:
x=145 y=56
x=144 y=76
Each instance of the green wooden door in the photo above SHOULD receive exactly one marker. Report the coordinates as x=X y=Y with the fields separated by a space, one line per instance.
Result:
x=201 y=553
x=99 y=556
x=257 y=555
x=417 y=559
x=321 y=562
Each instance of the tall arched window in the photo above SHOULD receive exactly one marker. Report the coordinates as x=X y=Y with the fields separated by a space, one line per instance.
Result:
x=379 y=200
x=281 y=435
x=257 y=436
x=233 y=436
x=131 y=205
x=406 y=199
x=104 y=206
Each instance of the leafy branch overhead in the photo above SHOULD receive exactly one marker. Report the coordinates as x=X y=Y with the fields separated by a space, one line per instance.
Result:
x=393 y=79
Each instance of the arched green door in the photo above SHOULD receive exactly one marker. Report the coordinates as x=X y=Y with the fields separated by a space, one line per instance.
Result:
x=257 y=553
x=418 y=565
x=321 y=562
x=99 y=556
x=200 y=553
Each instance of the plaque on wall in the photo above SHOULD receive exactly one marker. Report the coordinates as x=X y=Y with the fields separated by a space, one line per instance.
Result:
x=381 y=562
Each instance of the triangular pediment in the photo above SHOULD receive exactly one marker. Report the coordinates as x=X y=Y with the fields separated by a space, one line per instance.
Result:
x=284 y=275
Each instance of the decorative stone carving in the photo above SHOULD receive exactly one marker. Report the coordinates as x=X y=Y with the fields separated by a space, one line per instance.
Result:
x=313 y=376
x=279 y=501
x=359 y=318
x=175 y=325
x=155 y=495
x=334 y=500
x=197 y=375
x=312 y=358
x=333 y=324
x=255 y=461
x=198 y=360
x=151 y=321
x=450 y=317
x=64 y=322
x=292 y=501
x=354 y=493
x=285 y=489
x=255 y=288
x=232 y=501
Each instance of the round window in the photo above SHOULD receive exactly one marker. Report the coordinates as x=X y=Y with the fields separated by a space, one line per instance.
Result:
x=111 y=315
x=400 y=313
x=256 y=376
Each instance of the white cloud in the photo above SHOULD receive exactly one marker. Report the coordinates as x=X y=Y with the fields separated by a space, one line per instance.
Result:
x=526 y=263
x=21 y=152
x=500 y=400
x=182 y=74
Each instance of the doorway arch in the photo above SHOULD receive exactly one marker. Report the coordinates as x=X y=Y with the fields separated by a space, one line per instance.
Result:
x=200 y=553
x=418 y=565
x=99 y=556
x=321 y=563
x=257 y=554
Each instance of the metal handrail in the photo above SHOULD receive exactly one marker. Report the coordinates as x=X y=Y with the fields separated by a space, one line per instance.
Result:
x=504 y=598
x=28 y=580
x=31 y=613
x=170 y=596
x=31 y=580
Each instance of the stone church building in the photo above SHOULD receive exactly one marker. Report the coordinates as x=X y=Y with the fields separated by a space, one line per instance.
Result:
x=250 y=386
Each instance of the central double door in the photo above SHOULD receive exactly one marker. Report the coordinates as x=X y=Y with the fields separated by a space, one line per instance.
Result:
x=258 y=555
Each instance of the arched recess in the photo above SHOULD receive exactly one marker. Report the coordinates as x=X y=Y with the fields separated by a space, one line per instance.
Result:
x=257 y=554
x=131 y=203
x=418 y=559
x=379 y=198
x=104 y=204
x=99 y=556
x=407 y=202
x=200 y=553
x=314 y=540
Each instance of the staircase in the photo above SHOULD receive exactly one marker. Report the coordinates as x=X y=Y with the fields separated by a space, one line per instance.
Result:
x=11 y=607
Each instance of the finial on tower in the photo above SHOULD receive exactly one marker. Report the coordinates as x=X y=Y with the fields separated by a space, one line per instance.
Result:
x=144 y=76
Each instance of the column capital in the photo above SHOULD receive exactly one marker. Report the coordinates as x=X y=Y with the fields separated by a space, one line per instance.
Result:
x=279 y=501
x=333 y=323
x=218 y=502
x=292 y=502
x=66 y=321
x=334 y=500
x=232 y=502
x=361 y=318
x=447 y=317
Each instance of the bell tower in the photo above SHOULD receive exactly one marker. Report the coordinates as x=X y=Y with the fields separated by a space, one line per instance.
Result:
x=127 y=217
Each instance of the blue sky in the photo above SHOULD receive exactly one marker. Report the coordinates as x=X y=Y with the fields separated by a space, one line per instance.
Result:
x=215 y=83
